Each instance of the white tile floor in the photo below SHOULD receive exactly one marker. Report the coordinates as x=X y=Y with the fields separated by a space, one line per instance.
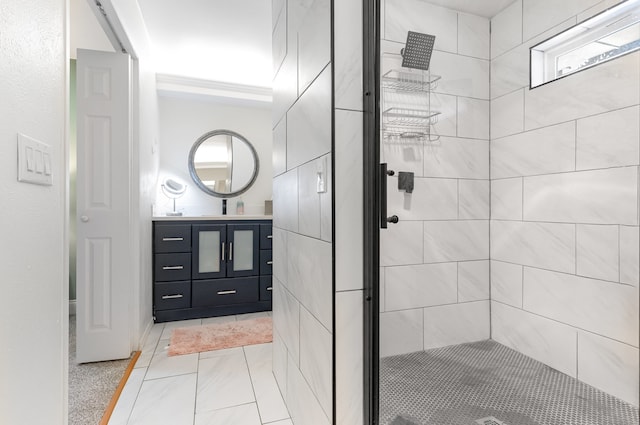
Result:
x=225 y=387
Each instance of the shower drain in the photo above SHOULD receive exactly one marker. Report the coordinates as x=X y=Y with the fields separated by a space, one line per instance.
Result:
x=489 y=421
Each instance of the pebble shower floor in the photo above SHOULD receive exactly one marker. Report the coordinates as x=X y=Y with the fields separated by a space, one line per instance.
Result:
x=489 y=384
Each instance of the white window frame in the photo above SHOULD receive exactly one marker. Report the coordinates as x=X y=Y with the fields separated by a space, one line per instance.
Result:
x=544 y=56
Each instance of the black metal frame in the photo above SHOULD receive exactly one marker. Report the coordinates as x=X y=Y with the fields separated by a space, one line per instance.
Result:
x=334 y=413
x=371 y=188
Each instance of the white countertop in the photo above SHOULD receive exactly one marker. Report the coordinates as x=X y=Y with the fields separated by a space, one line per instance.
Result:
x=212 y=217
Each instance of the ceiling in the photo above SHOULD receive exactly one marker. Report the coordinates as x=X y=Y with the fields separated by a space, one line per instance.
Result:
x=230 y=41
x=486 y=8
x=226 y=41
x=216 y=40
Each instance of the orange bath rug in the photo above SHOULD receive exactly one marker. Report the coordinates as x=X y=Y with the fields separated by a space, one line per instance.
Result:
x=196 y=339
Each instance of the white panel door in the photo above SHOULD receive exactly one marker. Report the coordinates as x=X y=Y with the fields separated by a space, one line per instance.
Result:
x=104 y=278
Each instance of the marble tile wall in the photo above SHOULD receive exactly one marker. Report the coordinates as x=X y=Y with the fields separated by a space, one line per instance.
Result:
x=564 y=203
x=435 y=261
x=306 y=83
x=348 y=196
x=302 y=244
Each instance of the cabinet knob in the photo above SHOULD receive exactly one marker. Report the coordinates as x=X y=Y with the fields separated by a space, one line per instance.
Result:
x=84 y=218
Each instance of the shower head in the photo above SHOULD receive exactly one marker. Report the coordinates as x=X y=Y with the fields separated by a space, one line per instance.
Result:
x=417 y=52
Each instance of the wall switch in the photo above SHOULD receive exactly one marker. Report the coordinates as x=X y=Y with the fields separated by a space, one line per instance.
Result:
x=321 y=172
x=34 y=161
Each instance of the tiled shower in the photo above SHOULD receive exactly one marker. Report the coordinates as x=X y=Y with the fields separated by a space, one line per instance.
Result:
x=522 y=227
x=523 y=224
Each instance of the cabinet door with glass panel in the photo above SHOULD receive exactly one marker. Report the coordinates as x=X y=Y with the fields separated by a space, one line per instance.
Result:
x=224 y=250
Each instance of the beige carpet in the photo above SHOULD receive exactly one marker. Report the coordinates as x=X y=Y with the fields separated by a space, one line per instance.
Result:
x=196 y=339
x=91 y=385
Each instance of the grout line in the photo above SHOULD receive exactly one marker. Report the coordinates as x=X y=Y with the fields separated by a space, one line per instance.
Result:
x=574 y=327
x=251 y=379
x=567 y=223
x=559 y=272
x=554 y=173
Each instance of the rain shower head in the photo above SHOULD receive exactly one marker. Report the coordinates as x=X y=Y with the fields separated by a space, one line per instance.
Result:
x=417 y=52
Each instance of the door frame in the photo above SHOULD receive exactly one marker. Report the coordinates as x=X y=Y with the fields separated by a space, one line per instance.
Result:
x=372 y=206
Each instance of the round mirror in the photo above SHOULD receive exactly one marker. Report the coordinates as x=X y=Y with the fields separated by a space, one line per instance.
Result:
x=223 y=163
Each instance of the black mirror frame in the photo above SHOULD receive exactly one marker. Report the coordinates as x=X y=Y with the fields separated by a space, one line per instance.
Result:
x=205 y=188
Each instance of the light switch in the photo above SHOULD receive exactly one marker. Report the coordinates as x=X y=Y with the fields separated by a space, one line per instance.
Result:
x=34 y=161
x=321 y=172
x=39 y=162
x=30 y=159
x=47 y=164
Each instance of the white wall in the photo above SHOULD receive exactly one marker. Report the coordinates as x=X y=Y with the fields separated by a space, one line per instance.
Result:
x=564 y=204
x=34 y=304
x=435 y=261
x=85 y=31
x=144 y=164
x=182 y=121
x=146 y=172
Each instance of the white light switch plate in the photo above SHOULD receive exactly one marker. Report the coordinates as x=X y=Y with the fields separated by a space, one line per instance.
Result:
x=321 y=172
x=34 y=161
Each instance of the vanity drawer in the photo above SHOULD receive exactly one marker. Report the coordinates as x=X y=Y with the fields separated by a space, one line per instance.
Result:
x=172 y=238
x=266 y=288
x=172 y=295
x=266 y=263
x=170 y=267
x=216 y=292
x=266 y=236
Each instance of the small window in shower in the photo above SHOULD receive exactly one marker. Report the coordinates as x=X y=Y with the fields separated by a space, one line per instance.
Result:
x=610 y=34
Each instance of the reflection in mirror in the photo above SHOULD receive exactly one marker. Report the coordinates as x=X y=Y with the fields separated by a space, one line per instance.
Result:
x=223 y=163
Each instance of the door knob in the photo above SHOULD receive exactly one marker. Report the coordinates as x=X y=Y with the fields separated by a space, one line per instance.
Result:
x=393 y=219
x=84 y=218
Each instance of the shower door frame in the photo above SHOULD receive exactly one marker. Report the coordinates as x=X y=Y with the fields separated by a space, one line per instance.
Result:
x=372 y=207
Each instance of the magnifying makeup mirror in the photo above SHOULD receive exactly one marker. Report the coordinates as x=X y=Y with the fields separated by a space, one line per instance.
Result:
x=173 y=189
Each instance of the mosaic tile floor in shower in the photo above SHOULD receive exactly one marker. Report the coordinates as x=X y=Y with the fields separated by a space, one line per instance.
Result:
x=486 y=383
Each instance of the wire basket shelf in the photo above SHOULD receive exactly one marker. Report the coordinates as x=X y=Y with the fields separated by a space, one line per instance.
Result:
x=409 y=80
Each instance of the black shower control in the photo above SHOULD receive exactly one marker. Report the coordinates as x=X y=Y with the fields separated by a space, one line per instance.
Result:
x=405 y=181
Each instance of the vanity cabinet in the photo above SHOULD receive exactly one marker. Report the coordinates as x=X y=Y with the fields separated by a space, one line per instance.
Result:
x=206 y=268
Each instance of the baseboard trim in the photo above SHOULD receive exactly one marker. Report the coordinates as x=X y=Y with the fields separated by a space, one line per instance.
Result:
x=72 y=307
x=145 y=334
x=116 y=395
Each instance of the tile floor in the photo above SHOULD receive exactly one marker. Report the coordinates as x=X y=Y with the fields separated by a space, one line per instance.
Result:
x=225 y=387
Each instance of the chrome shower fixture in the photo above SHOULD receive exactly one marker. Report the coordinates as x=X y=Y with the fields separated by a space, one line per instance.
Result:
x=417 y=52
